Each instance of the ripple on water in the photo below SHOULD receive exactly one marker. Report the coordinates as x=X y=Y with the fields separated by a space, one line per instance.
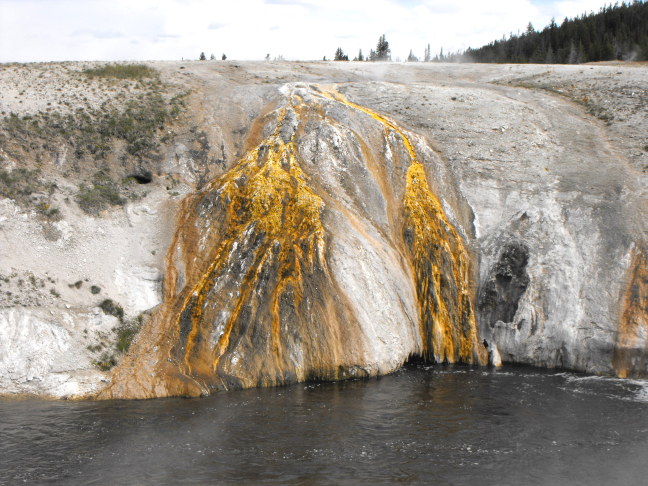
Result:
x=450 y=425
x=617 y=388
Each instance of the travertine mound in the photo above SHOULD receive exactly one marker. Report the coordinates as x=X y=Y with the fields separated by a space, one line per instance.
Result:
x=329 y=220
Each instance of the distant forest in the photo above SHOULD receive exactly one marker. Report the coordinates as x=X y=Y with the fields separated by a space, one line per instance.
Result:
x=615 y=32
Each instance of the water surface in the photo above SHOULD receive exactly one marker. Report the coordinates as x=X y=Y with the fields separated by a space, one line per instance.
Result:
x=421 y=425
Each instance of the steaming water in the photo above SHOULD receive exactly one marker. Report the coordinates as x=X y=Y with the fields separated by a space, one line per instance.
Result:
x=422 y=425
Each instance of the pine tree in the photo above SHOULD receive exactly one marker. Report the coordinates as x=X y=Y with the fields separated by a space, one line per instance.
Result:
x=202 y=57
x=383 y=53
x=412 y=57
x=340 y=55
x=428 y=56
x=224 y=57
x=618 y=31
x=360 y=56
x=212 y=57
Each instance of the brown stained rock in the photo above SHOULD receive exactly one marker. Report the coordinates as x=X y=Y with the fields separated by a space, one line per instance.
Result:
x=261 y=305
x=631 y=347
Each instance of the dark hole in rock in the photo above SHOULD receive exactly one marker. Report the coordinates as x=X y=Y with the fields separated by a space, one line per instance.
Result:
x=143 y=177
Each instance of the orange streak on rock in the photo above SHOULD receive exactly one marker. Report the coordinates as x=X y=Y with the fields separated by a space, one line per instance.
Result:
x=441 y=264
x=631 y=349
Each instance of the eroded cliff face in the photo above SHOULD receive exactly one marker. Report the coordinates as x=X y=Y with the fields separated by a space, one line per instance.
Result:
x=326 y=221
x=257 y=281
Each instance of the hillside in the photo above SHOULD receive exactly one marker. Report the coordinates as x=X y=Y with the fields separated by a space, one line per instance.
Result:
x=618 y=32
x=200 y=226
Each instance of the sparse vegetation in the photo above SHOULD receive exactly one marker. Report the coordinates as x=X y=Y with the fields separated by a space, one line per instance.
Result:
x=20 y=184
x=48 y=212
x=127 y=332
x=103 y=194
x=106 y=361
x=121 y=71
x=94 y=290
x=91 y=131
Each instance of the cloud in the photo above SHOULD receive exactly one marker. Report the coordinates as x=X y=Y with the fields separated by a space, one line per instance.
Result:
x=301 y=3
x=39 y=30
x=97 y=34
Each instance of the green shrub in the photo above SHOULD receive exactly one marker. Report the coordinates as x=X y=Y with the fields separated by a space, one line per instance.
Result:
x=48 y=212
x=103 y=194
x=121 y=71
x=19 y=183
x=95 y=348
x=106 y=361
x=112 y=308
x=137 y=124
x=126 y=333
x=93 y=130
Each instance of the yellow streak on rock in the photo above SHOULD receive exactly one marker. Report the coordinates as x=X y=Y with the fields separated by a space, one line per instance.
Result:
x=441 y=264
x=267 y=194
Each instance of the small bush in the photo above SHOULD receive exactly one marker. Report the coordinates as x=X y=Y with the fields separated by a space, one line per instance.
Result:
x=121 y=71
x=103 y=194
x=19 y=183
x=126 y=333
x=95 y=290
x=106 y=361
x=95 y=348
x=48 y=212
x=112 y=308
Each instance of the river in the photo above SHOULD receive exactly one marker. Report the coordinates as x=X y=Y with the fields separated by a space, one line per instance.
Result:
x=421 y=425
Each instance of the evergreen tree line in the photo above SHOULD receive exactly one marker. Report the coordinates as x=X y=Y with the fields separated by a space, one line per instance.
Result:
x=381 y=53
x=615 y=32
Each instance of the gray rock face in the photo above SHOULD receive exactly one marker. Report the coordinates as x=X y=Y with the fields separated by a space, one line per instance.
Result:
x=335 y=237
x=558 y=216
x=506 y=284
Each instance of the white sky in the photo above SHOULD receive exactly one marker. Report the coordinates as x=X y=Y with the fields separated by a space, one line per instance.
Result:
x=58 y=30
